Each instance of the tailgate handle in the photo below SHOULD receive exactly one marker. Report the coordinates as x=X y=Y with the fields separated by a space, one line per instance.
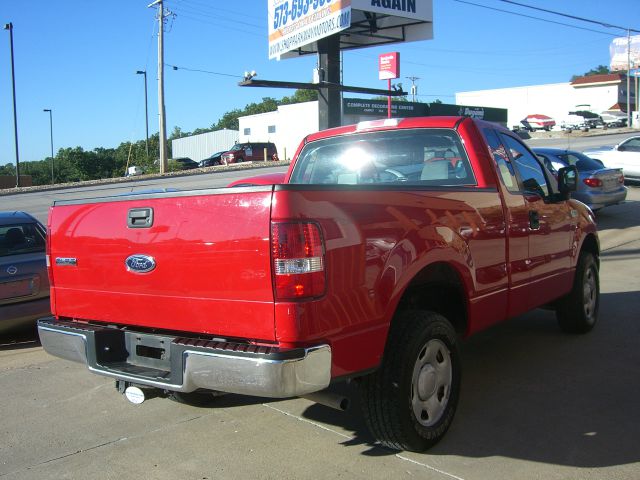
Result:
x=140 y=218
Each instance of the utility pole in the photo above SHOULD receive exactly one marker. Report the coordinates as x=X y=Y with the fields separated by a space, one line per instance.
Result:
x=51 y=136
x=161 y=111
x=414 y=87
x=9 y=26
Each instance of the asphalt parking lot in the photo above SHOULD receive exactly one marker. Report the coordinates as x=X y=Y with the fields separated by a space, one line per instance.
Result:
x=536 y=404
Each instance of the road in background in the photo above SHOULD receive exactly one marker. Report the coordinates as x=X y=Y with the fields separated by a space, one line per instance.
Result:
x=576 y=141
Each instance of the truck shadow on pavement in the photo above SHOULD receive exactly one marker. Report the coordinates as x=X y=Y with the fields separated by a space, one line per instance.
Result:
x=533 y=393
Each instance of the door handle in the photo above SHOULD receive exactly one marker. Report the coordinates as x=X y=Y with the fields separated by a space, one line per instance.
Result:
x=534 y=220
x=140 y=218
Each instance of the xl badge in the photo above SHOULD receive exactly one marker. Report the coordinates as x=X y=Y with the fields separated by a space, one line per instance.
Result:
x=140 y=263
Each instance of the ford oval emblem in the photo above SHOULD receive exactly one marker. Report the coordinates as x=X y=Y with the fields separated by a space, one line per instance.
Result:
x=12 y=270
x=140 y=263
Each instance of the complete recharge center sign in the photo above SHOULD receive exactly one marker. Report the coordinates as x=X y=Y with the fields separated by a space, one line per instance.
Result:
x=295 y=23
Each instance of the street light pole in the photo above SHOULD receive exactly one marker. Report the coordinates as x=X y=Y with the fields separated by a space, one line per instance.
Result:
x=146 y=108
x=9 y=26
x=51 y=133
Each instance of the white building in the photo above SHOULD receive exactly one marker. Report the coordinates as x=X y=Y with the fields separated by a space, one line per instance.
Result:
x=595 y=93
x=286 y=127
x=198 y=147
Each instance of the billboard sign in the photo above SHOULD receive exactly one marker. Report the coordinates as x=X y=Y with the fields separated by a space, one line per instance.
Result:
x=618 y=52
x=416 y=9
x=389 y=66
x=296 y=23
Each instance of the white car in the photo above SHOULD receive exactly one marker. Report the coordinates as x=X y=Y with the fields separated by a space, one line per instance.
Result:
x=625 y=155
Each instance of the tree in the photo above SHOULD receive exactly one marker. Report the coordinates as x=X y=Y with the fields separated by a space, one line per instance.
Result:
x=300 y=96
x=599 y=70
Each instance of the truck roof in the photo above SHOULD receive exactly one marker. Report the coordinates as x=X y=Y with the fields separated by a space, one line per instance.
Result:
x=390 y=124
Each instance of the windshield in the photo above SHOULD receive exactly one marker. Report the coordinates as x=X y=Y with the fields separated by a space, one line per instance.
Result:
x=21 y=238
x=236 y=147
x=431 y=157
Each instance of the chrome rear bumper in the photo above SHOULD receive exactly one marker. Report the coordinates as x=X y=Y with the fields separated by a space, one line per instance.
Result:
x=183 y=364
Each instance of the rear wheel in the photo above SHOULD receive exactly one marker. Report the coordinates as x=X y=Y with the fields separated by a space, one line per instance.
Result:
x=410 y=401
x=578 y=311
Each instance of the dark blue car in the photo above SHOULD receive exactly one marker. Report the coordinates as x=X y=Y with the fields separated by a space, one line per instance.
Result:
x=24 y=282
x=598 y=186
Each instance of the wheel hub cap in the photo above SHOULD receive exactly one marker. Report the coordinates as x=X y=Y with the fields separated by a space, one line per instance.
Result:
x=431 y=382
x=426 y=382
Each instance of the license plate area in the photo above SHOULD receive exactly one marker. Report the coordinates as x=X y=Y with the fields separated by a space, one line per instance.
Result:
x=25 y=287
x=611 y=184
x=147 y=350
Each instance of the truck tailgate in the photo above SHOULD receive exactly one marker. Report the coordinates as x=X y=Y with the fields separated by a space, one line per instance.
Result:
x=210 y=251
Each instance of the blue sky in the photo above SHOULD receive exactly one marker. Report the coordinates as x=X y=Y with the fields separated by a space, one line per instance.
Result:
x=79 y=57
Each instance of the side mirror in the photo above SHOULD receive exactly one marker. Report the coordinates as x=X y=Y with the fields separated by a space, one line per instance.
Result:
x=567 y=180
x=621 y=148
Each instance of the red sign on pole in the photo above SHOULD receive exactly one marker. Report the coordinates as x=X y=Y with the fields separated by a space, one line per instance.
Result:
x=389 y=66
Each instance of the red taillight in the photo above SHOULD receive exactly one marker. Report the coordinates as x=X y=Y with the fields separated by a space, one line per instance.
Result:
x=621 y=179
x=297 y=252
x=592 y=182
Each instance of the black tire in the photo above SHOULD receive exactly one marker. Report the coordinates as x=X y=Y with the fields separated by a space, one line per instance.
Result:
x=195 y=399
x=578 y=311
x=410 y=401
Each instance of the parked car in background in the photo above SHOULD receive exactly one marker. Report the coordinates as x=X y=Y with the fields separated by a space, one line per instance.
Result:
x=250 y=152
x=24 y=283
x=212 y=160
x=625 y=155
x=184 y=163
x=598 y=187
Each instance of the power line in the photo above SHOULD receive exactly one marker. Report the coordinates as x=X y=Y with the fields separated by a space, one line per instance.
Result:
x=186 y=9
x=536 y=18
x=222 y=25
x=215 y=8
x=175 y=67
x=582 y=19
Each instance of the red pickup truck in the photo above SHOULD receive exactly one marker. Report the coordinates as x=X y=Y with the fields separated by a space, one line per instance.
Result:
x=385 y=243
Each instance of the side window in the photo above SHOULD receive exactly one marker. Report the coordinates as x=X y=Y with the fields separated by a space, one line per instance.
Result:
x=505 y=169
x=630 y=145
x=531 y=173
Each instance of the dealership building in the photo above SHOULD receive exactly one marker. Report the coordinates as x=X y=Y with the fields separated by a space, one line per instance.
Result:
x=595 y=93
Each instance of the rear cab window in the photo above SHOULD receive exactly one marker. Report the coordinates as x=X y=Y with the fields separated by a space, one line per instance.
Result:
x=21 y=238
x=426 y=157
